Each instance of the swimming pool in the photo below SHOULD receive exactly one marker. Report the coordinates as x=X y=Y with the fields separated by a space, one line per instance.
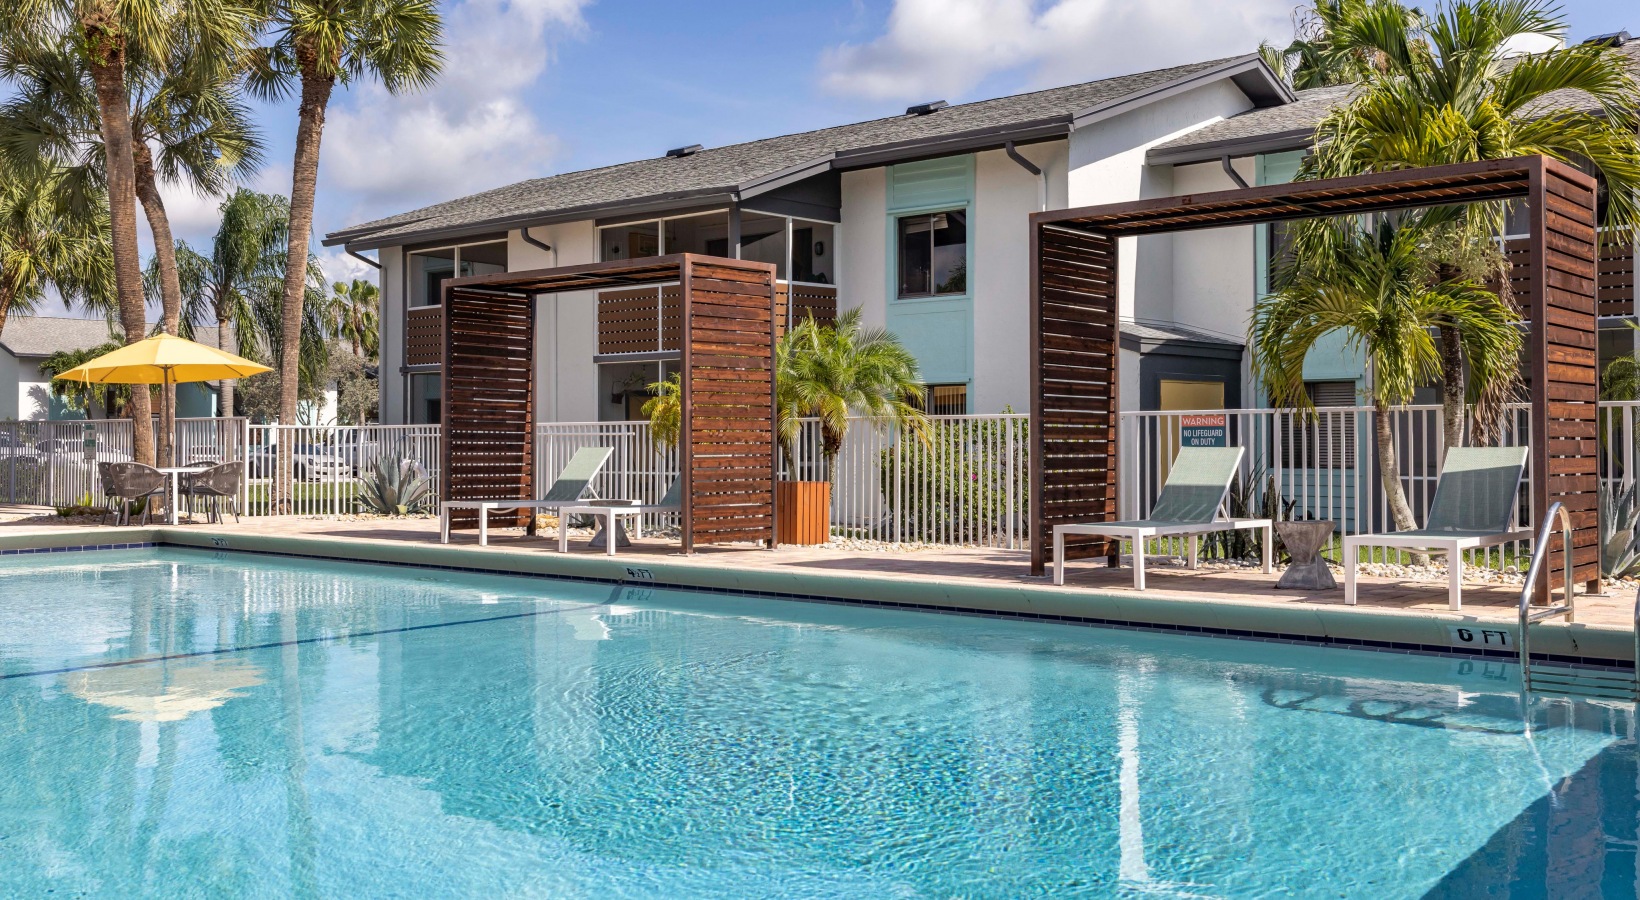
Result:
x=179 y=721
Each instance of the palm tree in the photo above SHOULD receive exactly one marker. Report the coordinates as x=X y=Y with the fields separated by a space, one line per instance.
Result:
x=1326 y=49
x=47 y=241
x=828 y=372
x=315 y=44
x=1378 y=285
x=664 y=410
x=107 y=35
x=350 y=315
x=244 y=266
x=189 y=126
x=78 y=395
x=1461 y=101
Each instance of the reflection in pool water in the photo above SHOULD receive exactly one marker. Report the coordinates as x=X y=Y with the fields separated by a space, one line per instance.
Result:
x=331 y=730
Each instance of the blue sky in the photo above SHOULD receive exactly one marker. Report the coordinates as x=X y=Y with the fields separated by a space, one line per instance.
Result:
x=536 y=87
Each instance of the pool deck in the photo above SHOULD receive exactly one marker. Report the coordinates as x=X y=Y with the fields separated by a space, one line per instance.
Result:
x=1393 y=614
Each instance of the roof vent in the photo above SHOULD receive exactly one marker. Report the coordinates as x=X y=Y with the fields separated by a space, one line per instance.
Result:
x=1614 y=39
x=680 y=152
x=923 y=109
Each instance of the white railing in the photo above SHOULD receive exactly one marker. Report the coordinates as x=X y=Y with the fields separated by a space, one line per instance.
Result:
x=320 y=470
x=1321 y=464
x=638 y=469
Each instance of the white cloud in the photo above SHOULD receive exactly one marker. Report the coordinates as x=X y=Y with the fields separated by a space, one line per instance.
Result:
x=944 y=48
x=472 y=131
x=338 y=266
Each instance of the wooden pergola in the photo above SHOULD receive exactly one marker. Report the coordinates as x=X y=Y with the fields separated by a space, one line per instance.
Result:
x=1075 y=261
x=726 y=449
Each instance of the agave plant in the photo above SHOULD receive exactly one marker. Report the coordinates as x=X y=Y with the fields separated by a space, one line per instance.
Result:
x=395 y=487
x=1619 y=517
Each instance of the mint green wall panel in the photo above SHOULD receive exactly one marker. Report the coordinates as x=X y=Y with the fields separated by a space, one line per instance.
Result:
x=930 y=183
x=940 y=334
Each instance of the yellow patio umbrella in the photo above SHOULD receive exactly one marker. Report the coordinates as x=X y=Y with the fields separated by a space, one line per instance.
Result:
x=163 y=359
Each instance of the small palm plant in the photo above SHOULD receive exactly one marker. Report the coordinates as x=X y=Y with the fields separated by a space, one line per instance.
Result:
x=1378 y=286
x=665 y=411
x=827 y=372
x=395 y=487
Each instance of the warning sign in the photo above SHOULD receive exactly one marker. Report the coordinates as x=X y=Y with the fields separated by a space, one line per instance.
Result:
x=1204 y=431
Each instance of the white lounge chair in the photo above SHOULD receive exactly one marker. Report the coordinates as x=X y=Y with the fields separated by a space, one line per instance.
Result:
x=1191 y=504
x=671 y=502
x=571 y=487
x=1473 y=507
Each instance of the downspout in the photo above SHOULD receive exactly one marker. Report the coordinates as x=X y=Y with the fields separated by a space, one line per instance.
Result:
x=533 y=242
x=1224 y=161
x=1034 y=169
x=362 y=258
x=552 y=411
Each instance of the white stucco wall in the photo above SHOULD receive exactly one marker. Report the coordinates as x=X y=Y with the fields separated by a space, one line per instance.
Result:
x=390 y=319
x=566 y=325
x=864 y=242
x=1005 y=195
x=1215 y=271
x=11 y=388
x=1107 y=165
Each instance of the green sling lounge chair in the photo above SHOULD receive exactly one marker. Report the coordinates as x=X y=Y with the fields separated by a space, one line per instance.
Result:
x=1190 y=505
x=572 y=485
x=1474 y=507
x=671 y=502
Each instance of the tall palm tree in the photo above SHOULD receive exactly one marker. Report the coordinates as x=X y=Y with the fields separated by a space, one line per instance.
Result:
x=1378 y=285
x=1463 y=100
x=316 y=44
x=1326 y=49
x=108 y=35
x=245 y=265
x=351 y=315
x=828 y=372
x=189 y=126
x=49 y=242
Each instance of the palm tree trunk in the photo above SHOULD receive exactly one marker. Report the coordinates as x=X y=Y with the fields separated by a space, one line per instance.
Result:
x=7 y=295
x=106 y=51
x=170 y=286
x=224 y=342
x=1389 y=473
x=316 y=89
x=1453 y=416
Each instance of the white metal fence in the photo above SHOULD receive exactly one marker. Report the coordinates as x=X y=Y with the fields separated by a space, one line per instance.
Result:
x=965 y=484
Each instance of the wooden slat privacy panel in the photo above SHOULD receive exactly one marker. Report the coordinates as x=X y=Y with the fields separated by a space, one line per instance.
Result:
x=728 y=441
x=488 y=404
x=807 y=299
x=1565 y=377
x=424 y=336
x=1613 y=290
x=640 y=320
x=1073 y=389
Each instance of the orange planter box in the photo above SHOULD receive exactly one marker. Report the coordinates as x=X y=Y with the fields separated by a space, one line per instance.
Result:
x=804 y=515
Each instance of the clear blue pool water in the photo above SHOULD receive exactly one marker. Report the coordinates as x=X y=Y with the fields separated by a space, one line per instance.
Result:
x=312 y=729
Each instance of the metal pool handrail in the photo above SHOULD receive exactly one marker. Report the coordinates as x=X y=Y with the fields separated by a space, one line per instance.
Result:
x=1540 y=550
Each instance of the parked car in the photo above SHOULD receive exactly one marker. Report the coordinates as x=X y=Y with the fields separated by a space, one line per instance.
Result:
x=311 y=462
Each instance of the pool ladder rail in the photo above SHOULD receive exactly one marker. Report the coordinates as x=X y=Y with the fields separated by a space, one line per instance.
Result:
x=1570 y=681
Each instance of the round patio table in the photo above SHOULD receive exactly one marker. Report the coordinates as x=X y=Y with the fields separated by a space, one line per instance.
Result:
x=1308 y=570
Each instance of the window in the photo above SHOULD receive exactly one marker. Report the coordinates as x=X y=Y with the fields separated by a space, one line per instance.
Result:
x=933 y=254
x=429 y=269
x=814 y=252
x=708 y=234
x=635 y=241
x=424 y=398
x=1326 y=440
x=945 y=399
x=763 y=239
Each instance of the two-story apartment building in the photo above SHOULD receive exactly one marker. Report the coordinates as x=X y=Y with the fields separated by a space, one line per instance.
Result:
x=920 y=219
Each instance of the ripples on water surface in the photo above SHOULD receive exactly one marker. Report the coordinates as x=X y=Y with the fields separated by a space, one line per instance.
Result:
x=176 y=722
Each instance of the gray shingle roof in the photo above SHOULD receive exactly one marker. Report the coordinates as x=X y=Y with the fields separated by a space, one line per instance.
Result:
x=1299 y=118
x=45 y=335
x=724 y=169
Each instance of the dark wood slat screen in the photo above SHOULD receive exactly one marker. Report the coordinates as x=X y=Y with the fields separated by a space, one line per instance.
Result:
x=424 y=336
x=634 y=320
x=728 y=442
x=1554 y=276
x=817 y=300
x=488 y=402
x=1565 y=376
x=1614 y=290
x=1073 y=390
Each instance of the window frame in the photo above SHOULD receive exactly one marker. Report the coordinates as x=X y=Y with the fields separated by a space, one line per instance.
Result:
x=895 y=281
x=455 y=258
